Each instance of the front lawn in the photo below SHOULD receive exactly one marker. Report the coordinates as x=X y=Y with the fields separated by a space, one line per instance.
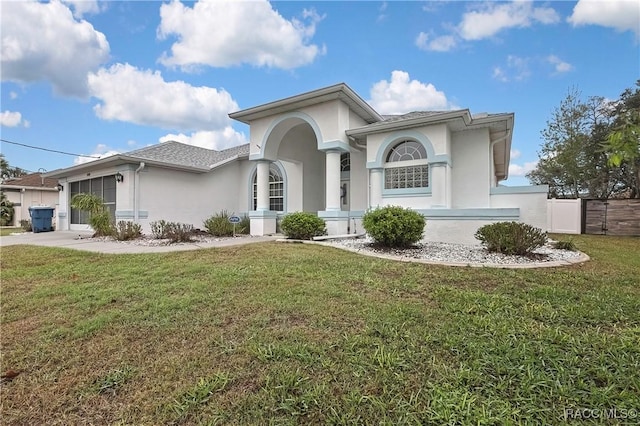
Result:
x=304 y=334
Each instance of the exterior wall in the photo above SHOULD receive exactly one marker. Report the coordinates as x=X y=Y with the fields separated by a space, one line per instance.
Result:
x=25 y=198
x=201 y=195
x=470 y=173
x=359 y=182
x=531 y=200
x=453 y=231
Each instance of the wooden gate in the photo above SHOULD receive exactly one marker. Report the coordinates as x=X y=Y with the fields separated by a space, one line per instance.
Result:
x=611 y=217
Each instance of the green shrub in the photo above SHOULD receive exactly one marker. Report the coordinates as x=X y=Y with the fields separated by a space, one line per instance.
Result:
x=159 y=229
x=511 y=237
x=565 y=245
x=101 y=224
x=25 y=224
x=179 y=232
x=126 y=230
x=394 y=226
x=244 y=227
x=302 y=226
x=218 y=224
x=176 y=232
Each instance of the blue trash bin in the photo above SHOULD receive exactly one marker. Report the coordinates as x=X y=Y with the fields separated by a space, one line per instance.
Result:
x=41 y=218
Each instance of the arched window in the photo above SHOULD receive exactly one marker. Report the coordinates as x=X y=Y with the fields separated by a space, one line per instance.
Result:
x=406 y=166
x=345 y=162
x=276 y=189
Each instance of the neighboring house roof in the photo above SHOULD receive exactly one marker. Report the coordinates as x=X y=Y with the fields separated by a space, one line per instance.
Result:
x=337 y=91
x=171 y=155
x=33 y=181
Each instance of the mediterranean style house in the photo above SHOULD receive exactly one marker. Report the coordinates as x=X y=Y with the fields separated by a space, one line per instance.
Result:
x=328 y=152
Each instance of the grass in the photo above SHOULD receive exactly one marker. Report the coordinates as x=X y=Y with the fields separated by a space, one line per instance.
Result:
x=297 y=334
x=8 y=230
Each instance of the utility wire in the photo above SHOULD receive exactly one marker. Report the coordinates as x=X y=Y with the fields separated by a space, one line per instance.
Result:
x=49 y=150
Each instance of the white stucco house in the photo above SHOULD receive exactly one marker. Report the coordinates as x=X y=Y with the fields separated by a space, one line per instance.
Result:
x=328 y=152
x=29 y=191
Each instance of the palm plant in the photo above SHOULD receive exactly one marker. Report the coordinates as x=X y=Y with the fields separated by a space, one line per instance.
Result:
x=99 y=218
x=6 y=210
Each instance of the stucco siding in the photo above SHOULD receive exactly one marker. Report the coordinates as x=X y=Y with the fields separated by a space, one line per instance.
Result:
x=201 y=195
x=531 y=200
x=470 y=169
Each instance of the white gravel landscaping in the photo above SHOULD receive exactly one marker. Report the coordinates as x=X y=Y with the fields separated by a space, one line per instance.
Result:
x=461 y=255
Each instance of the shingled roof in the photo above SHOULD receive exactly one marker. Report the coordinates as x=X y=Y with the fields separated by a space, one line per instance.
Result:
x=33 y=180
x=181 y=154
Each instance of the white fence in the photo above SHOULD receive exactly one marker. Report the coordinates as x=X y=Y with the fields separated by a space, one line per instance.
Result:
x=564 y=216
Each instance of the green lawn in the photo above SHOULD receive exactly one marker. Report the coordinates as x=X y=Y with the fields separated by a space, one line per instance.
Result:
x=300 y=334
x=8 y=230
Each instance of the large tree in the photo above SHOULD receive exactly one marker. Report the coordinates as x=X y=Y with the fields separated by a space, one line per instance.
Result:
x=571 y=160
x=623 y=142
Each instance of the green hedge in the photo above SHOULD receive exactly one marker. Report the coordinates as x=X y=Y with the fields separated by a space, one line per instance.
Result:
x=394 y=226
x=302 y=226
x=511 y=237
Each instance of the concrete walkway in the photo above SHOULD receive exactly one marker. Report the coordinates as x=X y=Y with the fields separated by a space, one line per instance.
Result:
x=82 y=241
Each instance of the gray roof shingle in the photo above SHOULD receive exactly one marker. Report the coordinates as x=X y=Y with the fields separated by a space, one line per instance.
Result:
x=181 y=154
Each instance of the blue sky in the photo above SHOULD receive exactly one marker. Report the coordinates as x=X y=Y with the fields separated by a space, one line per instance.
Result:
x=97 y=78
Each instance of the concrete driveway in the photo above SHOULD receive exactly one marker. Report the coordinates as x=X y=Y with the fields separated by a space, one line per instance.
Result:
x=83 y=241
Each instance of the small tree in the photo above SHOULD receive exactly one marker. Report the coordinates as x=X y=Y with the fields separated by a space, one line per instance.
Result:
x=6 y=210
x=99 y=218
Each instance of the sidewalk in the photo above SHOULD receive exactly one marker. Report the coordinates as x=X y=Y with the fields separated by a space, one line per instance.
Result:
x=82 y=241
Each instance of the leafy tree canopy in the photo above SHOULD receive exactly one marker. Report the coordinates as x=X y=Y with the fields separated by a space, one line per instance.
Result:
x=579 y=156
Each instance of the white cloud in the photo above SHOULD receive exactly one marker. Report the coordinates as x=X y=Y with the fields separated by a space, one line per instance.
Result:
x=13 y=95
x=493 y=17
x=217 y=139
x=522 y=170
x=437 y=44
x=82 y=7
x=623 y=15
x=515 y=154
x=381 y=12
x=43 y=41
x=227 y=33
x=516 y=69
x=100 y=151
x=401 y=95
x=12 y=119
x=559 y=65
x=144 y=97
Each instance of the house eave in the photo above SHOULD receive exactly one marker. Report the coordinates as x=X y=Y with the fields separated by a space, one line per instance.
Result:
x=386 y=126
x=27 y=188
x=116 y=160
x=338 y=91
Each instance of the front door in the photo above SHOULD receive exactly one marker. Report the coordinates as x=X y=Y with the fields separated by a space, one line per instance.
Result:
x=344 y=195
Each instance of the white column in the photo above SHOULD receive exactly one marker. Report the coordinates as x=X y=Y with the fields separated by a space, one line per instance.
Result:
x=375 y=187
x=262 y=182
x=332 y=188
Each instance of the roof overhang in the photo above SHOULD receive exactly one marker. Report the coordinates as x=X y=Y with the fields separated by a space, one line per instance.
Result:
x=500 y=131
x=117 y=160
x=338 y=91
x=27 y=188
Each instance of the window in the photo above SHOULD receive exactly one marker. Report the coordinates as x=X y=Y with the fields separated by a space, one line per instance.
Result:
x=103 y=187
x=345 y=162
x=406 y=166
x=276 y=189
